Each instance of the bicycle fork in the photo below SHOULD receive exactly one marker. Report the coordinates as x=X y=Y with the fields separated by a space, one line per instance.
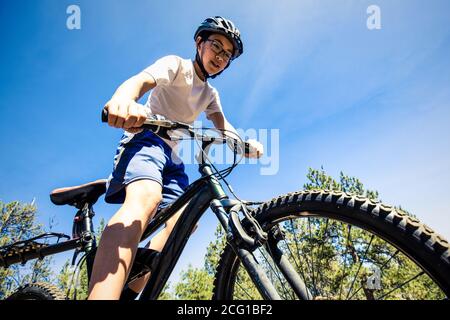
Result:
x=240 y=242
x=244 y=245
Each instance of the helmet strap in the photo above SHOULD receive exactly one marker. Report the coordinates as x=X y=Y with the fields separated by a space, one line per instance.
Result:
x=202 y=68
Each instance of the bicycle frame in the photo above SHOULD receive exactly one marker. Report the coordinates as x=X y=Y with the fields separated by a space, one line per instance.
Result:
x=203 y=193
x=193 y=204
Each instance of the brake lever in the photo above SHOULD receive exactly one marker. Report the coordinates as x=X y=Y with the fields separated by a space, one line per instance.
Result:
x=155 y=121
x=160 y=123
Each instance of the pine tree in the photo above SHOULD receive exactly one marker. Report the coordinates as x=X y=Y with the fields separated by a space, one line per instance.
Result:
x=195 y=284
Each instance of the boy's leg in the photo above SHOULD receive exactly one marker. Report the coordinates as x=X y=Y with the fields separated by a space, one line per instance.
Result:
x=157 y=243
x=119 y=241
x=175 y=182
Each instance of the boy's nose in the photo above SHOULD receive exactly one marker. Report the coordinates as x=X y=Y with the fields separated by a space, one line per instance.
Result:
x=219 y=58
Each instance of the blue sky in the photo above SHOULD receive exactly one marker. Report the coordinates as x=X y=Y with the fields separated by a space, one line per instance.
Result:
x=372 y=103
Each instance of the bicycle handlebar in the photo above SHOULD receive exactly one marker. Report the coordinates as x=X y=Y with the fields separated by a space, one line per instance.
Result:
x=155 y=124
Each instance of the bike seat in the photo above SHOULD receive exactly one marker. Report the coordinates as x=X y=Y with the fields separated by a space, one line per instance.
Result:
x=79 y=195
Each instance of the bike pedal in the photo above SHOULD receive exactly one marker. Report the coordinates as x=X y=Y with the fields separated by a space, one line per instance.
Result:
x=143 y=263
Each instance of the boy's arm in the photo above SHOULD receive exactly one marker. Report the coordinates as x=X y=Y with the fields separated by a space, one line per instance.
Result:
x=135 y=87
x=220 y=122
x=123 y=110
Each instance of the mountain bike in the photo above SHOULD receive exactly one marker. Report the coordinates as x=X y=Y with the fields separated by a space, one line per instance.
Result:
x=304 y=245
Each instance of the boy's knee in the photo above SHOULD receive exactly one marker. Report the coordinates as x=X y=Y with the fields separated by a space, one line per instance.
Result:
x=143 y=195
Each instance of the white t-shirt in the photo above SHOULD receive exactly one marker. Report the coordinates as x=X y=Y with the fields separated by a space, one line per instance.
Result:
x=180 y=95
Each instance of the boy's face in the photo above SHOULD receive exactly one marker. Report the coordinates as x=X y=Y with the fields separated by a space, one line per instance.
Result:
x=216 y=51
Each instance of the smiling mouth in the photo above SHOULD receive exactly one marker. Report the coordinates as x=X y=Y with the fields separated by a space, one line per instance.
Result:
x=215 y=65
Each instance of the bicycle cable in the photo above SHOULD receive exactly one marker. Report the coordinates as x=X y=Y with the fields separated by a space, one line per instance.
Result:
x=220 y=174
x=71 y=283
x=76 y=275
x=225 y=172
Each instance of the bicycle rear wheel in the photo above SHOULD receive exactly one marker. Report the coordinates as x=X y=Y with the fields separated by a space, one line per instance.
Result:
x=343 y=246
x=38 y=291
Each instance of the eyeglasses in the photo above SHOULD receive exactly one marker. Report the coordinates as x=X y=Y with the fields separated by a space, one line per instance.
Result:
x=217 y=47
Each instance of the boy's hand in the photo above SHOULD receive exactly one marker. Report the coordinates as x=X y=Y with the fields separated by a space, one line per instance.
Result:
x=256 y=149
x=126 y=114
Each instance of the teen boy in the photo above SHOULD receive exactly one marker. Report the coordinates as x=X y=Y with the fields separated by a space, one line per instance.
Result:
x=145 y=175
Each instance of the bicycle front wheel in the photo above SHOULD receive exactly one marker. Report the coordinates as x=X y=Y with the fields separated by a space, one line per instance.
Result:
x=342 y=246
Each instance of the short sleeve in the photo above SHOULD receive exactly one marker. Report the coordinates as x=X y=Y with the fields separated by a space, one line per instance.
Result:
x=215 y=105
x=164 y=70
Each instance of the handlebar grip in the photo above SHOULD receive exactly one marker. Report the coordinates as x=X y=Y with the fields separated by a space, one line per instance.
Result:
x=104 y=115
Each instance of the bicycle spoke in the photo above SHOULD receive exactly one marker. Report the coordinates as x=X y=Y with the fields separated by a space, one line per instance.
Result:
x=312 y=258
x=387 y=262
x=359 y=267
x=299 y=267
x=298 y=253
x=242 y=289
x=275 y=272
x=381 y=269
x=308 y=265
x=345 y=265
x=319 y=274
x=403 y=284
x=344 y=262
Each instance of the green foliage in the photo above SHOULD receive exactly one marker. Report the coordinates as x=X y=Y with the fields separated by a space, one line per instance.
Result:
x=214 y=251
x=318 y=179
x=195 y=284
x=17 y=223
x=166 y=293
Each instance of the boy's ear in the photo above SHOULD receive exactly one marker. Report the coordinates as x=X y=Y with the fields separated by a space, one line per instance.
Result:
x=198 y=41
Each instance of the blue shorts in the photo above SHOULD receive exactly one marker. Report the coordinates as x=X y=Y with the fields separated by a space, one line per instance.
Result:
x=146 y=156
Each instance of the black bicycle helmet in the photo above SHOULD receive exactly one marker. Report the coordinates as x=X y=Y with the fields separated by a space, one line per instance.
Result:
x=223 y=26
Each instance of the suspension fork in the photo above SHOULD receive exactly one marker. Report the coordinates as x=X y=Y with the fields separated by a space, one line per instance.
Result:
x=243 y=245
x=283 y=264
